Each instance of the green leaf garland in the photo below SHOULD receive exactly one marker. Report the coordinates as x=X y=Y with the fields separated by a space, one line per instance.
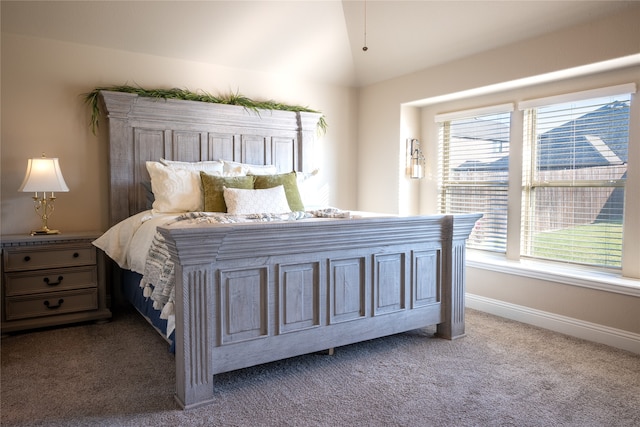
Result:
x=92 y=99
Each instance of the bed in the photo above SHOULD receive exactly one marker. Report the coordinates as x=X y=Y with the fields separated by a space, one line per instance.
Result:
x=247 y=292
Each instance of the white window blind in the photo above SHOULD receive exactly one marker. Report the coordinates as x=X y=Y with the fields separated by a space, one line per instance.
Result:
x=474 y=169
x=574 y=172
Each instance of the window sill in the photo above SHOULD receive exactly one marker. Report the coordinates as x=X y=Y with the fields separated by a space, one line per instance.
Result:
x=603 y=280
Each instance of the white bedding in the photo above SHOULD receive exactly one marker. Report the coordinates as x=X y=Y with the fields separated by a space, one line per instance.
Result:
x=128 y=242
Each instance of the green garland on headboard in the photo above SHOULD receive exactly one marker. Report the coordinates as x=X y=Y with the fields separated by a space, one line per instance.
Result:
x=91 y=98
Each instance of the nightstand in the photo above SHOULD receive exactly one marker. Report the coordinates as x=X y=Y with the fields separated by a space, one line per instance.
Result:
x=51 y=280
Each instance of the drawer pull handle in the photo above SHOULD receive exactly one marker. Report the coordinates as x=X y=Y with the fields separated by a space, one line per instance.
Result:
x=27 y=258
x=53 y=307
x=48 y=282
x=76 y=254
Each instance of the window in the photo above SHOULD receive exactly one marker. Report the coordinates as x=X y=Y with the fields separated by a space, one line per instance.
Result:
x=474 y=172
x=574 y=172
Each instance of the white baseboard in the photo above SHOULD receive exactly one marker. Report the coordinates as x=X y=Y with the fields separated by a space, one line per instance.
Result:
x=566 y=325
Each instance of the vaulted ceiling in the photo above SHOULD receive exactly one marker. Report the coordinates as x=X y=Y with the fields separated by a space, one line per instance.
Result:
x=321 y=40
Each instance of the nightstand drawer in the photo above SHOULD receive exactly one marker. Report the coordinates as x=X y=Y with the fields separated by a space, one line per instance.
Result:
x=51 y=304
x=23 y=283
x=18 y=259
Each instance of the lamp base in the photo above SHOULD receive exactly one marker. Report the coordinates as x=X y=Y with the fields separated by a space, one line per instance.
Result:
x=44 y=232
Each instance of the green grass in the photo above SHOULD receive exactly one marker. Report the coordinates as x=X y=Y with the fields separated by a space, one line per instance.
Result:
x=584 y=244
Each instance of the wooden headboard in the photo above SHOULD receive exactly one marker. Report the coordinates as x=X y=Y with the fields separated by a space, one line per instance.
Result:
x=143 y=129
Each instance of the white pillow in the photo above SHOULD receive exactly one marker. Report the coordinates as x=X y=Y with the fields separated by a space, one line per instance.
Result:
x=309 y=188
x=175 y=189
x=249 y=169
x=209 y=166
x=269 y=200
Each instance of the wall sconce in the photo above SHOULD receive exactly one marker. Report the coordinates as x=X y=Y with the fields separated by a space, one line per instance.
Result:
x=43 y=175
x=416 y=160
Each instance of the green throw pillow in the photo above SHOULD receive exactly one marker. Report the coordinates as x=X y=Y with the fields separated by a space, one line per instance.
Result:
x=290 y=183
x=213 y=185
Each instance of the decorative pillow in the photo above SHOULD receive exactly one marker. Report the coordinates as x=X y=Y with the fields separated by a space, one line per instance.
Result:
x=249 y=169
x=174 y=190
x=213 y=188
x=209 y=166
x=289 y=181
x=270 y=200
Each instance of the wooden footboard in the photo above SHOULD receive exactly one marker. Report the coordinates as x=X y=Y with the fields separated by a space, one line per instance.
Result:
x=251 y=293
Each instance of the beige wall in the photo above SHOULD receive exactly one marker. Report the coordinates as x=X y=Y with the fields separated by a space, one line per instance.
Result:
x=383 y=109
x=43 y=111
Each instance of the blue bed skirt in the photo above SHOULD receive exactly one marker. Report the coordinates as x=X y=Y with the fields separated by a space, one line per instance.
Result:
x=133 y=293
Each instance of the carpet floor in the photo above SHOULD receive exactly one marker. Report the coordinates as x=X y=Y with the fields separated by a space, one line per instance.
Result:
x=503 y=373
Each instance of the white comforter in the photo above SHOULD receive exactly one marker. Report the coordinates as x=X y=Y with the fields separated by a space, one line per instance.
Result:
x=128 y=242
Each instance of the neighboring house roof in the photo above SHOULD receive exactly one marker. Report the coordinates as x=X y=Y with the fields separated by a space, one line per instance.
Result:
x=603 y=147
x=493 y=131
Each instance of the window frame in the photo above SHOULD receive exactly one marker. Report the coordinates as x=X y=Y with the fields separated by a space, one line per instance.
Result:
x=535 y=180
x=601 y=278
x=444 y=144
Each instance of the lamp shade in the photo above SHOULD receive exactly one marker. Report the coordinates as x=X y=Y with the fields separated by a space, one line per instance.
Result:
x=43 y=174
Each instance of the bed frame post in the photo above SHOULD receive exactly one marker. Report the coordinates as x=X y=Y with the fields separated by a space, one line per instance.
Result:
x=117 y=107
x=453 y=277
x=195 y=306
x=307 y=128
x=194 y=336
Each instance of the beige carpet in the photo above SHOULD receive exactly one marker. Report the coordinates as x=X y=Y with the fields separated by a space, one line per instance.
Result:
x=502 y=374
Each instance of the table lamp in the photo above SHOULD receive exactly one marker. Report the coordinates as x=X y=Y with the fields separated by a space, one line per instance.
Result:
x=43 y=175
